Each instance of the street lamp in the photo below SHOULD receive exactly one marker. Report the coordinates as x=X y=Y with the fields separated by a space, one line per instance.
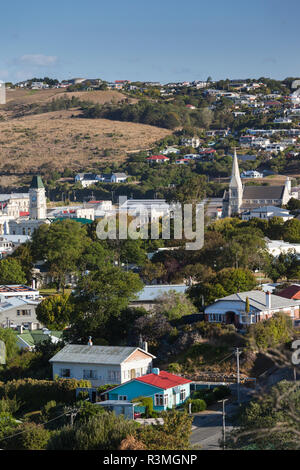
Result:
x=224 y=423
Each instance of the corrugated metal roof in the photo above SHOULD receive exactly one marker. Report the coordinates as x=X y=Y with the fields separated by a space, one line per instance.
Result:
x=84 y=354
x=257 y=299
x=150 y=293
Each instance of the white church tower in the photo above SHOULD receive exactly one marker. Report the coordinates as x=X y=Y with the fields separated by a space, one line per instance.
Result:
x=235 y=189
x=233 y=198
x=37 y=199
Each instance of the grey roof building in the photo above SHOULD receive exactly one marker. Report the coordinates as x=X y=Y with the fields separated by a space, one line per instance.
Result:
x=94 y=354
x=149 y=295
x=263 y=305
x=101 y=364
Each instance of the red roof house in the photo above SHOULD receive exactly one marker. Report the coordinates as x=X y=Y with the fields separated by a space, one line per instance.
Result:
x=167 y=390
x=290 y=292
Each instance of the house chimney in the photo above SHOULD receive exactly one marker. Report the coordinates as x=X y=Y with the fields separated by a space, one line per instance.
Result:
x=145 y=346
x=21 y=329
x=155 y=371
x=268 y=299
x=90 y=342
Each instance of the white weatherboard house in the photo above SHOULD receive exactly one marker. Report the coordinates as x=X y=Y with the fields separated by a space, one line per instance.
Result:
x=101 y=364
x=263 y=305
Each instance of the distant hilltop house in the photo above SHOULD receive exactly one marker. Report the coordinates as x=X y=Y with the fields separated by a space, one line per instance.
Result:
x=88 y=179
x=190 y=142
x=183 y=161
x=170 y=150
x=251 y=174
x=282 y=120
x=266 y=213
x=263 y=305
x=157 y=159
x=101 y=364
x=239 y=198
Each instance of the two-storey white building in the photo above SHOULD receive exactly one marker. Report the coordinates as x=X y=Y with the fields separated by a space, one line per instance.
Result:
x=101 y=364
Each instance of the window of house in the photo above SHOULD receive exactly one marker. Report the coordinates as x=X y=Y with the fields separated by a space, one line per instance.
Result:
x=182 y=394
x=65 y=373
x=216 y=317
x=161 y=400
x=123 y=397
x=89 y=374
x=114 y=375
x=26 y=312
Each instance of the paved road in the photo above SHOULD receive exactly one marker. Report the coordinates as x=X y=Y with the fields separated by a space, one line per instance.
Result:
x=207 y=430
x=207 y=426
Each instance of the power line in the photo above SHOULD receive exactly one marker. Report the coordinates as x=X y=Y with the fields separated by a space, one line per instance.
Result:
x=69 y=412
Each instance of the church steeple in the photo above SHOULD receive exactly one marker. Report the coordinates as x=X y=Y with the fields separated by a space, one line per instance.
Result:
x=235 y=181
x=235 y=188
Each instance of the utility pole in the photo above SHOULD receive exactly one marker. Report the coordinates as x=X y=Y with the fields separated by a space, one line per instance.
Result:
x=238 y=352
x=224 y=423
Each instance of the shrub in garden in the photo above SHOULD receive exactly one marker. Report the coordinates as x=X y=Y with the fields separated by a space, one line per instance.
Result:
x=36 y=393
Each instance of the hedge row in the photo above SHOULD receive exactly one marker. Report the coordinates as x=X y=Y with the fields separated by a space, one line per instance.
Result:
x=34 y=394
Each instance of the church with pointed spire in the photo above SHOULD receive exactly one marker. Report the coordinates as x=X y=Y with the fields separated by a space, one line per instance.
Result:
x=240 y=198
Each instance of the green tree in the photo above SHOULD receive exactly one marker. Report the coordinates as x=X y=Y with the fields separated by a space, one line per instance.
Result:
x=11 y=272
x=174 y=434
x=55 y=311
x=99 y=298
x=291 y=231
x=153 y=271
x=65 y=242
x=23 y=254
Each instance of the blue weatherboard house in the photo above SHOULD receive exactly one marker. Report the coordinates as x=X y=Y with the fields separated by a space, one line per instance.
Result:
x=167 y=390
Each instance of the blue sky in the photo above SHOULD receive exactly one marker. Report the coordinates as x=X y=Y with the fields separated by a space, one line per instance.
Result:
x=160 y=40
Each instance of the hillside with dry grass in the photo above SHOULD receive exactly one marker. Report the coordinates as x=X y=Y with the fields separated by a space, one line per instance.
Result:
x=61 y=139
